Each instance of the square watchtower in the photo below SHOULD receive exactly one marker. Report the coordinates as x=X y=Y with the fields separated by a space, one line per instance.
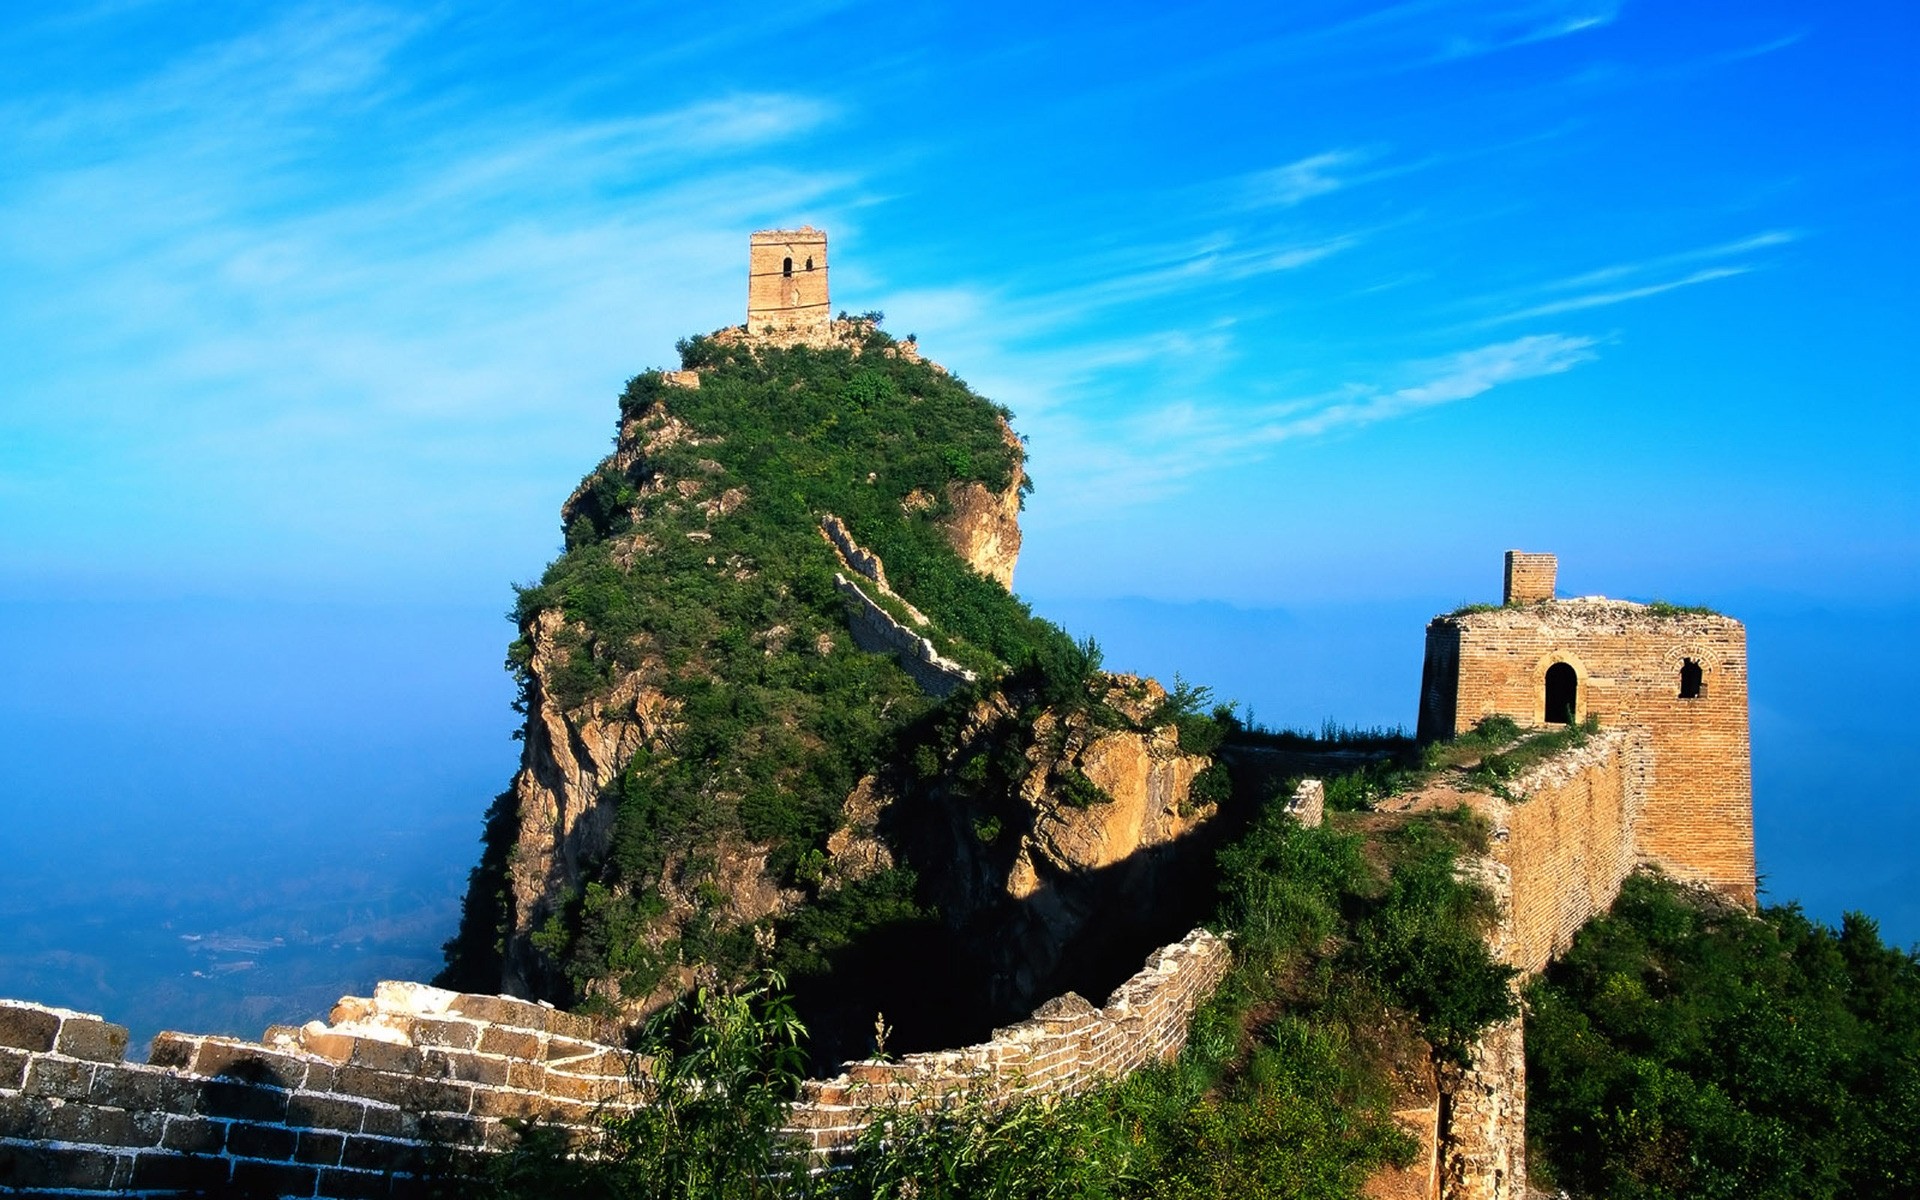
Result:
x=787 y=281
x=1679 y=673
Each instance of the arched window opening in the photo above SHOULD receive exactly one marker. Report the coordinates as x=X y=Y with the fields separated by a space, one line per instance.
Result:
x=1691 y=677
x=786 y=267
x=1563 y=694
x=809 y=264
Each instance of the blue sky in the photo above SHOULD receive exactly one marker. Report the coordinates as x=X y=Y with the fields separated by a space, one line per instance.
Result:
x=1304 y=308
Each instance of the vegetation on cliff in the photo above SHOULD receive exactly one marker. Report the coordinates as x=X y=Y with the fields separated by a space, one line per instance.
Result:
x=695 y=575
x=1683 y=1048
x=1348 y=948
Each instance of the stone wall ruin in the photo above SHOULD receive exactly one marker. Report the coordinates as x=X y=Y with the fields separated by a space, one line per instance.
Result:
x=413 y=1077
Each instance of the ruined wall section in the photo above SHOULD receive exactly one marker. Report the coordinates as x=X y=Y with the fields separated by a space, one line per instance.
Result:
x=1697 y=821
x=878 y=631
x=1565 y=843
x=1067 y=1047
x=410 y=1078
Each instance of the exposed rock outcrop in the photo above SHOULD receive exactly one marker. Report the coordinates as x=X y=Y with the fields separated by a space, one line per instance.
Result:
x=983 y=526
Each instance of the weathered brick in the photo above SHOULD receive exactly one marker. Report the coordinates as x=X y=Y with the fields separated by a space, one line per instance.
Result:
x=391 y=1122
x=319 y=1147
x=445 y=1130
x=93 y=1039
x=502 y=1010
x=242 y=1101
x=527 y=1076
x=245 y=1062
x=444 y=1034
x=467 y=1067
x=67 y=1079
x=514 y=1043
x=274 y=1179
x=325 y=1112
x=249 y=1140
x=175 y=1050
x=384 y=1056
x=24 y=1117
x=13 y=1068
x=95 y=1126
x=488 y=1103
x=194 y=1135
x=344 y=1184
x=142 y=1088
x=376 y=1154
x=180 y=1172
x=78 y=1168
x=27 y=1027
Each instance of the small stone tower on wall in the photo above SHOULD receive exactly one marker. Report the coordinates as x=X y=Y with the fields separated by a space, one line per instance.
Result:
x=1680 y=675
x=787 y=282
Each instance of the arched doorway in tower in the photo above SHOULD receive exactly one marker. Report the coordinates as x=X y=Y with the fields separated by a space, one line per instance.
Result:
x=1563 y=694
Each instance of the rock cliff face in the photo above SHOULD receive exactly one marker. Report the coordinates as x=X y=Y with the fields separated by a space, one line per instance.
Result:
x=1045 y=883
x=712 y=778
x=983 y=526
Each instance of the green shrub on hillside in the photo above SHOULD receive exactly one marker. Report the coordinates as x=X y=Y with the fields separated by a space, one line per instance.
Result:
x=1683 y=1048
x=735 y=619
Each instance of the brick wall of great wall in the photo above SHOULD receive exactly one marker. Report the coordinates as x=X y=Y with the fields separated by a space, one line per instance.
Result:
x=365 y=1106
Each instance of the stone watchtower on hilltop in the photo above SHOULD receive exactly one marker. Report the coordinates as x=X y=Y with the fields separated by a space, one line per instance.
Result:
x=787 y=282
x=1681 y=675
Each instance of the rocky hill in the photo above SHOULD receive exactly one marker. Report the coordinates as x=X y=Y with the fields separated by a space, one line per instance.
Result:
x=782 y=711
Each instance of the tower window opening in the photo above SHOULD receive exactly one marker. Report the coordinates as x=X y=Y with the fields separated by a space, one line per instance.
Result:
x=1691 y=678
x=809 y=264
x=1563 y=694
x=786 y=266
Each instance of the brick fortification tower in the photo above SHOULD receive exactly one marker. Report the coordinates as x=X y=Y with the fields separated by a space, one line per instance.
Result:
x=787 y=282
x=1680 y=675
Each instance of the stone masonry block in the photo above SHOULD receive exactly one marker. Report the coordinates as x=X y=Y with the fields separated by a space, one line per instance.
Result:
x=64 y=1167
x=88 y=1125
x=180 y=1172
x=242 y=1101
x=385 y=1056
x=246 y=1062
x=194 y=1135
x=248 y=1140
x=27 y=1026
x=13 y=1069
x=379 y=1154
x=344 y=1184
x=391 y=1123
x=466 y=1067
x=513 y=1043
x=503 y=1010
x=319 y=1147
x=93 y=1039
x=446 y=1034
x=274 y=1179
x=308 y=1111
x=24 y=1117
x=67 y=1079
x=142 y=1089
x=174 y=1050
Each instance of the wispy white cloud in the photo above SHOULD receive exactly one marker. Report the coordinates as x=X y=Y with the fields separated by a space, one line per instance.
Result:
x=1149 y=455
x=1619 y=296
x=1533 y=23
x=1302 y=179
